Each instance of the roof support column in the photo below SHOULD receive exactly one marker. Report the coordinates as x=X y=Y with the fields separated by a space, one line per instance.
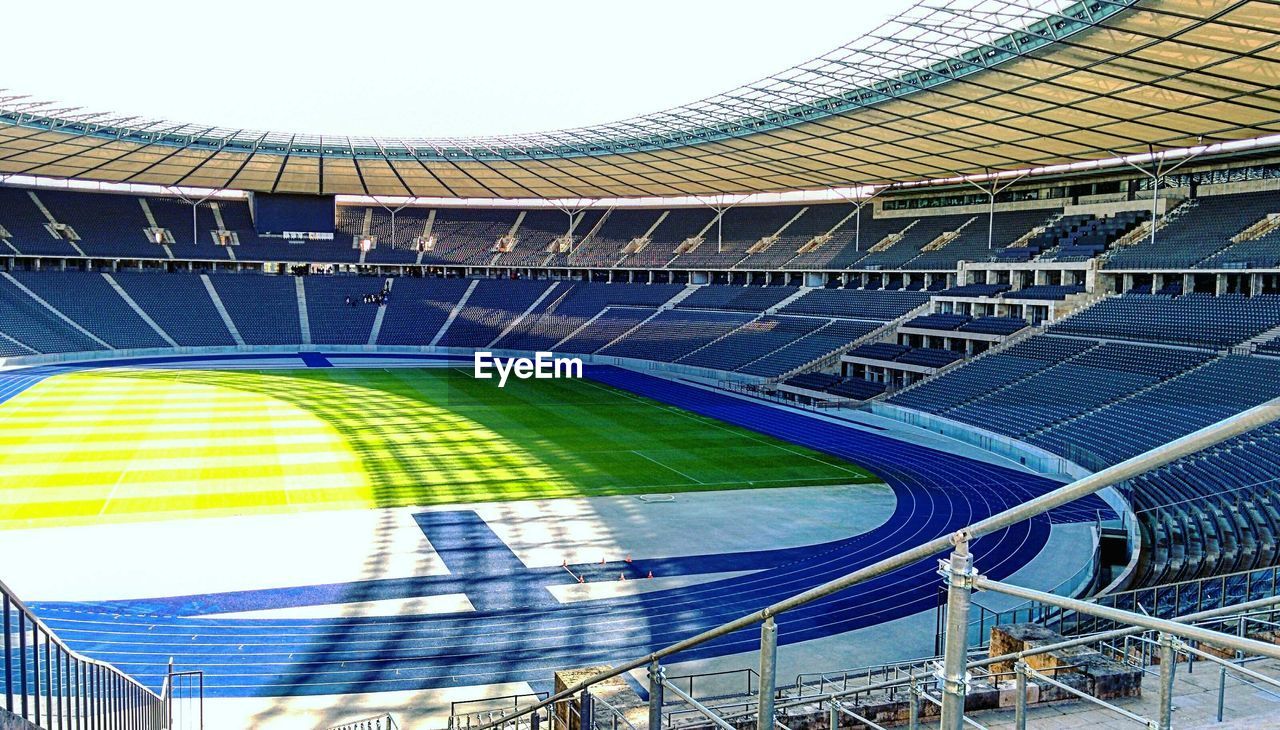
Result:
x=1158 y=173
x=991 y=193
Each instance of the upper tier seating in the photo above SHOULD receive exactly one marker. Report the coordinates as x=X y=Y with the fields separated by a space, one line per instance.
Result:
x=604 y=248
x=113 y=225
x=1195 y=234
x=393 y=247
x=1259 y=253
x=26 y=225
x=738 y=230
x=680 y=224
x=972 y=243
x=850 y=243
x=1081 y=237
x=816 y=221
x=468 y=236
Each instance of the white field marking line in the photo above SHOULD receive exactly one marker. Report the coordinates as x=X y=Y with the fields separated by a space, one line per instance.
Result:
x=114 y=488
x=712 y=422
x=668 y=468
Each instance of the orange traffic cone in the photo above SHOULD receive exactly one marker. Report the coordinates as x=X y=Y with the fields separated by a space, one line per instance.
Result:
x=651 y=574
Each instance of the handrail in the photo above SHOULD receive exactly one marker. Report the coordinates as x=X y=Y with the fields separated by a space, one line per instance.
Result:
x=369 y=723
x=1211 y=616
x=94 y=688
x=1176 y=449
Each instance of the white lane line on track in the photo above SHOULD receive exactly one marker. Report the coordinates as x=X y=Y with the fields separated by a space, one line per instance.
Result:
x=668 y=468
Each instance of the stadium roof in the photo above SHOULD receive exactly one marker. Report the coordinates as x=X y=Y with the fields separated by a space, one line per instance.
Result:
x=947 y=88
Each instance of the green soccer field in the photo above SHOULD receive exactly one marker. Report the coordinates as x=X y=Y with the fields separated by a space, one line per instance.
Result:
x=156 y=444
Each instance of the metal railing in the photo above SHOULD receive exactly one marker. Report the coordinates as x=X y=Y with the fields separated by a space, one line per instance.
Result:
x=919 y=680
x=1077 y=584
x=378 y=722
x=1162 y=601
x=958 y=572
x=52 y=686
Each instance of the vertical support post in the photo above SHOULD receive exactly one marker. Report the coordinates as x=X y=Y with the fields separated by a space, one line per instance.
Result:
x=857 y=228
x=1222 y=689
x=991 y=216
x=833 y=715
x=168 y=696
x=1155 y=202
x=1168 y=669
x=56 y=654
x=656 y=677
x=8 y=658
x=1020 y=702
x=35 y=668
x=768 y=673
x=585 y=714
x=913 y=706
x=958 y=572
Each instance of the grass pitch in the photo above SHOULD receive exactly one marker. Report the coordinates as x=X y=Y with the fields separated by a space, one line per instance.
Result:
x=157 y=444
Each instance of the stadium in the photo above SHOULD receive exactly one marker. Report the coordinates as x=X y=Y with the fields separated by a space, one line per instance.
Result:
x=932 y=382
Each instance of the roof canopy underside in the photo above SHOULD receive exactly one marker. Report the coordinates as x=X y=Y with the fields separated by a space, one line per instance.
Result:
x=979 y=86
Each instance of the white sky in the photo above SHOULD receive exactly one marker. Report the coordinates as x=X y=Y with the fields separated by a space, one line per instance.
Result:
x=400 y=67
